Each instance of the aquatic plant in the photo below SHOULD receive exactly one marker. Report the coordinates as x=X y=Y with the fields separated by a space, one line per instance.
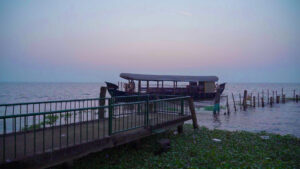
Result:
x=196 y=149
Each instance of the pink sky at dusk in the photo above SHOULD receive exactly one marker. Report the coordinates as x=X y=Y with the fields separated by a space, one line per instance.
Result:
x=93 y=41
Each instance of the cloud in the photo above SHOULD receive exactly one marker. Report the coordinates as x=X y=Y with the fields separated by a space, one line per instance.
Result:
x=185 y=13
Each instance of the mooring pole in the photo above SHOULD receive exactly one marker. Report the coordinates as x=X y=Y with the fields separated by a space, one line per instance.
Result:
x=193 y=113
x=258 y=99
x=250 y=99
x=271 y=101
x=227 y=104
x=268 y=97
x=102 y=102
x=245 y=100
x=240 y=101
x=233 y=102
x=262 y=102
x=253 y=101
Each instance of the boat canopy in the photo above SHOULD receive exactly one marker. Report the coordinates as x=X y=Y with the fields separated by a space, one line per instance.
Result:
x=178 y=78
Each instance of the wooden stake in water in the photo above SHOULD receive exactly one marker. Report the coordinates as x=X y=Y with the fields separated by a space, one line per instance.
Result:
x=245 y=100
x=262 y=102
x=253 y=101
x=258 y=99
x=240 y=101
x=227 y=104
x=268 y=97
x=277 y=99
x=233 y=102
x=283 y=98
x=271 y=101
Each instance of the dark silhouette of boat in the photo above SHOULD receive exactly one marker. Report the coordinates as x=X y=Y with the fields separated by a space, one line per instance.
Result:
x=199 y=87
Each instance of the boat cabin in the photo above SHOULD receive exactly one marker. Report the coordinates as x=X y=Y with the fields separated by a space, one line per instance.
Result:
x=196 y=86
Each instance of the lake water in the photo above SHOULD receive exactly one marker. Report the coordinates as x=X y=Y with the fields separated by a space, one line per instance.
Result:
x=281 y=118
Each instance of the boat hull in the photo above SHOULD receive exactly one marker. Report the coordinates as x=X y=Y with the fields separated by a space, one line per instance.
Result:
x=114 y=92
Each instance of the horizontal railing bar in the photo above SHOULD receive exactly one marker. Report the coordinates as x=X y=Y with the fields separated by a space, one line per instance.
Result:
x=143 y=95
x=51 y=112
x=52 y=101
x=169 y=99
x=130 y=103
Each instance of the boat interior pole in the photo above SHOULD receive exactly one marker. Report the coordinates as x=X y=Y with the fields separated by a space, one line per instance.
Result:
x=139 y=87
x=173 y=87
x=147 y=86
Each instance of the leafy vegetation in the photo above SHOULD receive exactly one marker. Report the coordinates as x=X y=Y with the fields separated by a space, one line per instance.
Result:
x=196 y=149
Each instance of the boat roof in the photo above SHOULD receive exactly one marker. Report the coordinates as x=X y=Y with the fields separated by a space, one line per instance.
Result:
x=179 y=78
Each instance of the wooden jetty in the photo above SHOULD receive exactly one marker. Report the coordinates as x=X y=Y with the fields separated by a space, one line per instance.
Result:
x=43 y=134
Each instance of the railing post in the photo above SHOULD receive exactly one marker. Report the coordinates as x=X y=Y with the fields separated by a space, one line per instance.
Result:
x=110 y=116
x=146 y=123
x=182 y=107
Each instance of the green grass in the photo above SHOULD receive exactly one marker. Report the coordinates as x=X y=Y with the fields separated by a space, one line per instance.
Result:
x=195 y=149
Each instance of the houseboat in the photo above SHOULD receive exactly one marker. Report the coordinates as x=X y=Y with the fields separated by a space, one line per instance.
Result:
x=199 y=87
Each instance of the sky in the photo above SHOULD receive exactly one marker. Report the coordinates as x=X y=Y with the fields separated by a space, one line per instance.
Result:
x=94 y=41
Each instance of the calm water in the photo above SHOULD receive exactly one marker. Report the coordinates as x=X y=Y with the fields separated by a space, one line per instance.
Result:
x=281 y=118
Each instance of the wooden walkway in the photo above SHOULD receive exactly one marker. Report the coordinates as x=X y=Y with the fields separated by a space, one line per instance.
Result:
x=21 y=145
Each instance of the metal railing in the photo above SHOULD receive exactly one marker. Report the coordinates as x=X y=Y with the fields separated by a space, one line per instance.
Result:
x=38 y=127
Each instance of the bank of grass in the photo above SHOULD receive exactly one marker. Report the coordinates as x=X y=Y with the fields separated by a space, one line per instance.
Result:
x=195 y=149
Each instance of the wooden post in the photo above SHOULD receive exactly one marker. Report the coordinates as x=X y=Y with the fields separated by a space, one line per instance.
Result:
x=250 y=99
x=233 y=102
x=297 y=98
x=277 y=99
x=102 y=102
x=281 y=93
x=271 y=101
x=258 y=99
x=253 y=101
x=276 y=93
x=227 y=104
x=283 y=98
x=268 y=97
x=262 y=102
x=240 y=101
x=273 y=96
x=193 y=113
x=245 y=100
